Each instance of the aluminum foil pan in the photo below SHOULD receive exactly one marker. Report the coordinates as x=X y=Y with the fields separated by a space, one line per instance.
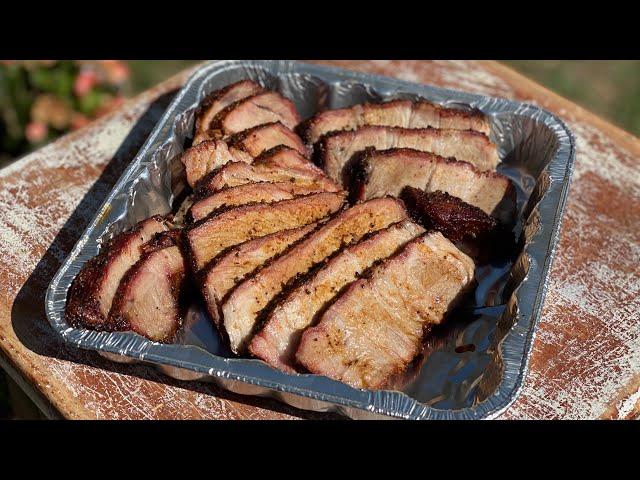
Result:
x=472 y=369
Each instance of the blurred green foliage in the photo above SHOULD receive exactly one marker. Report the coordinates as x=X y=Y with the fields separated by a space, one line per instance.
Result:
x=43 y=99
x=609 y=88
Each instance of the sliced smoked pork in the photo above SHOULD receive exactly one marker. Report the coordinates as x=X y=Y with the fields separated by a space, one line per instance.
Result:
x=210 y=236
x=387 y=172
x=249 y=193
x=336 y=150
x=280 y=164
x=277 y=340
x=147 y=299
x=395 y=113
x=212 y=153
x=231 y=267
x=220 y=99
x=241 y=308
x=208 y=156
x=92 y=291
x=375 y=328
x=262 y=108
x=259 y=139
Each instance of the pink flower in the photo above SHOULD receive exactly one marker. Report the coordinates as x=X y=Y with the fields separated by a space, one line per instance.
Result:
x=85 y=81
x=117 y=71
x=36 y=132
x=78 y=120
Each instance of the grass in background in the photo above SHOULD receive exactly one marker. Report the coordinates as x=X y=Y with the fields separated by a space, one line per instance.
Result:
x=609 y=88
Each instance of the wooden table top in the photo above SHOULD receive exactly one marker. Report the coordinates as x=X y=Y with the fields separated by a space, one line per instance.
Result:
x=586 y=359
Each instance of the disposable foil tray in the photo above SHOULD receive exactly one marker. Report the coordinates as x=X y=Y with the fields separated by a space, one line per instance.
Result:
x=450 y=381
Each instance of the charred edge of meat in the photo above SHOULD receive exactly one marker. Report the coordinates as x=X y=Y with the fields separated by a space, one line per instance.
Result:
x=162 y=240
x=479 y=234
x=81 y=301
x=458 y=112
x=236 y=139
x=201 y=189
x=273 y=151
x=119 y=323
x=302 y=129
x=358 y=176
x=211 y=99
x=82 y=305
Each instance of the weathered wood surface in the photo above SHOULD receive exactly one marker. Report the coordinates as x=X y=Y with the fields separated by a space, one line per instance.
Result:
x=586 y=360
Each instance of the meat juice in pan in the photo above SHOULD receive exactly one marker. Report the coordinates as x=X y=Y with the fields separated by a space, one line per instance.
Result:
x=447 y=373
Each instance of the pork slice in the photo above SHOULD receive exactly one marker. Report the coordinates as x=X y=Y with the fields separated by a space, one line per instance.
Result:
x=257 y=140
x=92 y=291
x=218 y=100
x=394 y=113
x=264 y=107
x=232 y=266
x=241 y=308
x=278 y=165
x=210 y=236
x=336 y=150
x=147 y=299
x=474 y=232
x=277 y=341
x=208 y=156
x=249 y=193
x=387 y=172
x=376 y=327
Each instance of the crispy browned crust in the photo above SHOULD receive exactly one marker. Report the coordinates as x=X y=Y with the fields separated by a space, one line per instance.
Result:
x=455 y=219
x=479 y=235
x=210 y=99
x=83 y=306
x=117 y=321
x=163 y=240
x=257 y=192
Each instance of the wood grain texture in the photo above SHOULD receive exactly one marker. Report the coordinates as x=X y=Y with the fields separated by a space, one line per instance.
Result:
x=586 y=360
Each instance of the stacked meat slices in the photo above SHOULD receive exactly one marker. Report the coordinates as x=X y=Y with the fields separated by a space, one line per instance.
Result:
x=133 y=284
x=290 y=272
